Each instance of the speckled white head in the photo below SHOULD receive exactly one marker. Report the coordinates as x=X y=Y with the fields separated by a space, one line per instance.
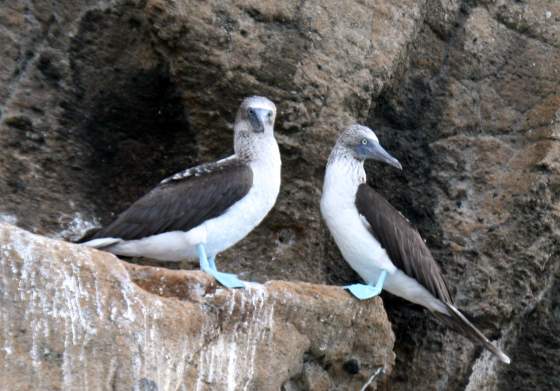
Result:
x=359 y=143
x=254 y=131
x=256 y=115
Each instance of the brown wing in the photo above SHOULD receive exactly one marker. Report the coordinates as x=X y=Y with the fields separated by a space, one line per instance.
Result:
x=401 y=240
x=183 y=203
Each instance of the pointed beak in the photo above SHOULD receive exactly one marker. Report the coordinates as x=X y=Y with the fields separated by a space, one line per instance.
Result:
x=258 y=119
x=377 y=152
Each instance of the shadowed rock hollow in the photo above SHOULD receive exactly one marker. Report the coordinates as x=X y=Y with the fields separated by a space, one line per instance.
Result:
x=100 y=100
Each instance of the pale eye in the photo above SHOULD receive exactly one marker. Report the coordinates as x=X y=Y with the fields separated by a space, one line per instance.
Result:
x=364 y=141
x=269 y=115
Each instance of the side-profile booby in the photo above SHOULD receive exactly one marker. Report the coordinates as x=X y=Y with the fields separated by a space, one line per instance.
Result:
x=377 y=241
x=205 y=209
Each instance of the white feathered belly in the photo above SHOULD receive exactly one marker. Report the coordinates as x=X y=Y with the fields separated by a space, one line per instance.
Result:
x=217 y=234
x=350 y=231
x=359 y=248
x=367 y=257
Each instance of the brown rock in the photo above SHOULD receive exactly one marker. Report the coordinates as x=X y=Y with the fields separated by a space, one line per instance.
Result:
x=477 y=129
x=75 y=318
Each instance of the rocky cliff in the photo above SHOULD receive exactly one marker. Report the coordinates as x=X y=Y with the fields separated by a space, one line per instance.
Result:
x=101 y=99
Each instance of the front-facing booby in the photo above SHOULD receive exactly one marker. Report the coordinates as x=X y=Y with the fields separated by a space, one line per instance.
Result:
x=377 y=241
x=205 y=209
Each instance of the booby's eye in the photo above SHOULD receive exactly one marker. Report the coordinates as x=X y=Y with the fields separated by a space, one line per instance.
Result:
x=251 y=112
x=364 y=141
x=269 y=115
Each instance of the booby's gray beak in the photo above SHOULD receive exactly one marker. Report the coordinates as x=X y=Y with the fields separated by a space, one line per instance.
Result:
x=376 y=152
x=258 y=119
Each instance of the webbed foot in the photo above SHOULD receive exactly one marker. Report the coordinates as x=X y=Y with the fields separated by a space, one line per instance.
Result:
x=228 y=280
x=209 y=266
x=362 y=291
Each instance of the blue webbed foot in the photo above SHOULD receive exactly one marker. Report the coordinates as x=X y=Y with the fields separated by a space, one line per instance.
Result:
x=226 y=279
x=364 y=292
x=209 y=266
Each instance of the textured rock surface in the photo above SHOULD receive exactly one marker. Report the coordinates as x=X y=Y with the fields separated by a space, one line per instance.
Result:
x=475 y=116
x=465 y=93
x=78 y=319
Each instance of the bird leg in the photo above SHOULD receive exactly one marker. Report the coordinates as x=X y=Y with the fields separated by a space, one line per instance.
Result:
x=209 y=266
x=212 y=262
x=202 y=258
x=364 y=292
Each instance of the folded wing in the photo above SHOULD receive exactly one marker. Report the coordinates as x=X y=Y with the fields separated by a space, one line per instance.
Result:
x=183 y=201
x=401 y=240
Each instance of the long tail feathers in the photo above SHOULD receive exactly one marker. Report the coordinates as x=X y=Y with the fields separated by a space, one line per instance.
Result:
x=102 y=242
x=89 y=235
x=455 y=319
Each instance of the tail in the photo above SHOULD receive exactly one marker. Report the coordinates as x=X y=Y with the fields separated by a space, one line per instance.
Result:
x=455 y=319
x=89 y=235
x=101 y=242
x=91 y=239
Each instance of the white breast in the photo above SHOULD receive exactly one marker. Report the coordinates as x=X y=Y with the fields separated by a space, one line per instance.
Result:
x=358 y=246
x=241 y=218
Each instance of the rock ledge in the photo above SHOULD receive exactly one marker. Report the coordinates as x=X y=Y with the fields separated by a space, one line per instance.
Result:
x=74 y=318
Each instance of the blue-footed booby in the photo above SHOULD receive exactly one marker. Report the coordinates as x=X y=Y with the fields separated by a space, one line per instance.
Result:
x=204 y=210
x=377 y=241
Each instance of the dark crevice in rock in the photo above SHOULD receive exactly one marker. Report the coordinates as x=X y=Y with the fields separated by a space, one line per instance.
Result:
x=131 y=115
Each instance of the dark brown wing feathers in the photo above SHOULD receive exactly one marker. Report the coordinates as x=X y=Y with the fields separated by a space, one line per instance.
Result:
x=401 y=240
x=410 y=254
x=184 y=203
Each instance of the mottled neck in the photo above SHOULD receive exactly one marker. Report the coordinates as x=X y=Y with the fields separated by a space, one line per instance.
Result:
x=343 y=176
x=256 y=147
x=345 y=167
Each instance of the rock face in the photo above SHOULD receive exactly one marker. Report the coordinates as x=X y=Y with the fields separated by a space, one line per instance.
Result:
x=79 y=319
x=99 y=100
x=476 y=117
